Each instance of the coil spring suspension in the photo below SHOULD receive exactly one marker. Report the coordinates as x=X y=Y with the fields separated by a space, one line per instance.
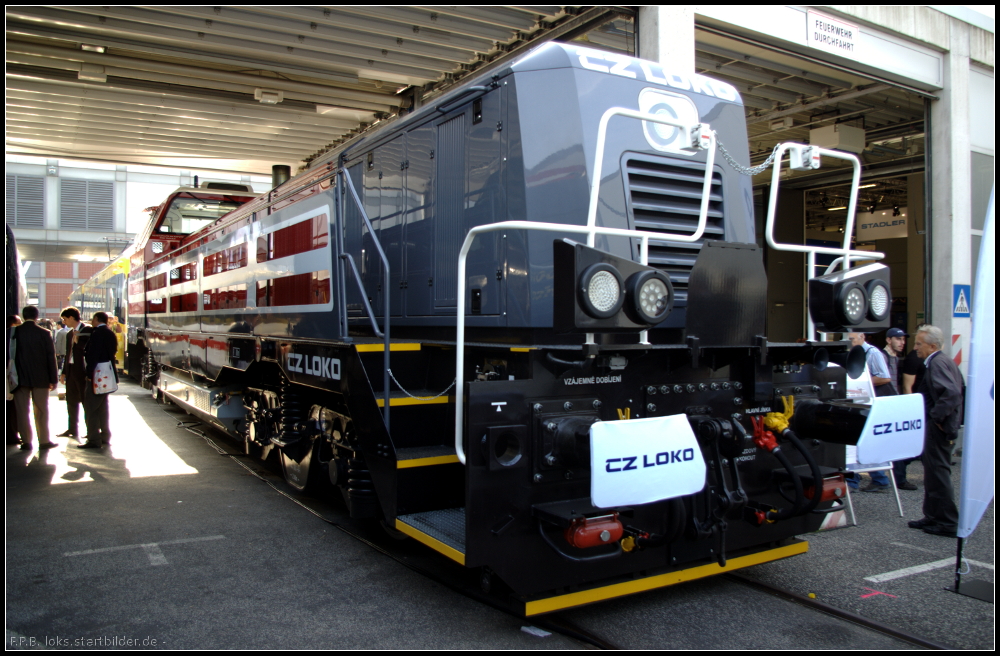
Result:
x=359 y=480
x=292 y=415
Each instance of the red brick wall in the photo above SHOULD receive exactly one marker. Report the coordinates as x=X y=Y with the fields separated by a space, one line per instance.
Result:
x=57 y=294
x=88 y=269
x=60 y=270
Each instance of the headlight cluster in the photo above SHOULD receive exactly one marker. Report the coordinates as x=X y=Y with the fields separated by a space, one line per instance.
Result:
x=598 y=292
x=858 y=300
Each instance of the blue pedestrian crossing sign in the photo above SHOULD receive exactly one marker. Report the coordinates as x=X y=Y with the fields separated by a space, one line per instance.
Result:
x=962 y=301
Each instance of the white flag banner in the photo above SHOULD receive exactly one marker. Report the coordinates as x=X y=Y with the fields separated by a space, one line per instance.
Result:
x=978 y=449
x=639 y=461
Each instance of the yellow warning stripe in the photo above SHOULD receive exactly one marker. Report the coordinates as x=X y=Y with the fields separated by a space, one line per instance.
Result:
x=379 y=348
x=426 y=462
x=433 y=543
x=408 y=400
x=521 y=350
x=572 y=599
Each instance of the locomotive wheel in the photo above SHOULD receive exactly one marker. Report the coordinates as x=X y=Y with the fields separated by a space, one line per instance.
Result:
x=391 y=532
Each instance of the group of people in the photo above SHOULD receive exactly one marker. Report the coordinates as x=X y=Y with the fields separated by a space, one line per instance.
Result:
x=32 y=357
x=927 y=371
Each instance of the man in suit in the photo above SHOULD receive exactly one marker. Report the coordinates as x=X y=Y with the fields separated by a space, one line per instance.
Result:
x=101 y=347
x=35 y=359
x=74 y=372
x=941 y=387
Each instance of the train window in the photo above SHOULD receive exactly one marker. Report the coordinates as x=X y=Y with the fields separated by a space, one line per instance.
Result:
x=156 y=306
x=477 y=111
x=301 y=237
x=226 y=298
x=371 y=160
x=184 y=303
x=158 y=281
x=303 y=289
x=183 y=273
x=189 y=213
x=227 y=260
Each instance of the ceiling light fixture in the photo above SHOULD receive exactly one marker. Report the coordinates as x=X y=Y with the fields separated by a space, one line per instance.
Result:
x=91 y=48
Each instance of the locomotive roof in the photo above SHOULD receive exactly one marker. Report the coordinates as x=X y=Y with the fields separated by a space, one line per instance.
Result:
x=552 y=56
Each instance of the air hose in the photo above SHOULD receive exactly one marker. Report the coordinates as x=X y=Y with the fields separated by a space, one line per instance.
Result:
x=778 y=422
x=799 y=504
x=813 y=467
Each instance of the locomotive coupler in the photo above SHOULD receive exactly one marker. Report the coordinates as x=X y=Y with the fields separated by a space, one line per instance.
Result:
x=727 y=440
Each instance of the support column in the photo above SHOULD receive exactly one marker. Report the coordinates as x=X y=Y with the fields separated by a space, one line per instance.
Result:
x=666 y=36
x=915 y=279
x=951 y=211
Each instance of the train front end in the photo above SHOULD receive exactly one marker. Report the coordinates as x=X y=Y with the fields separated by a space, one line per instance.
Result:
x=646 y=432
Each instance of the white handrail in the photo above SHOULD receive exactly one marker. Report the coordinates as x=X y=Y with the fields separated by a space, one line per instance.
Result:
x=685 y=129
x=833 y=265
x=460 y=309
x=800 y=248
x=591 y=230
x=845 y=253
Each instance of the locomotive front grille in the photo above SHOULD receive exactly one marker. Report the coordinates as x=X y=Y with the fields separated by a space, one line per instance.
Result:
x=664 y=195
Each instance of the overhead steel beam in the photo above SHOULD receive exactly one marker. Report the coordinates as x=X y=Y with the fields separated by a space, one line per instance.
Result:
x=825 y=102
x=428 y=18
x=134 y=21
x=219 y=128
x=158 y=141
x=26 y=121
x=763 y=62
x=497 y=16
x=815 y=60
x=276 y=22
x=29 y=65
x=58 y=111
x=372 y=25
x=757 y=89
x=230 y=47
x=221 y=109
x=742 y=72
x=36 y=55
x=120 y=142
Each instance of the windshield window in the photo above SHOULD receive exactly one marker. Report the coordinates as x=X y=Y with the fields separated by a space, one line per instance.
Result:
x=189 y=213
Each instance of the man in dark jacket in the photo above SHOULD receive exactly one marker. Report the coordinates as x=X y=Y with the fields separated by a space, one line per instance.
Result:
x=74 y=372
x=35 y=359
x=941 y=387
x=101 y=347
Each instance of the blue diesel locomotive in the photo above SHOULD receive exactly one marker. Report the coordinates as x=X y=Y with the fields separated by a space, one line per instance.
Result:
x=523 y=324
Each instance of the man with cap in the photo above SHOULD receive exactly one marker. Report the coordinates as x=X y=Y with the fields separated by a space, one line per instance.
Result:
x=895 y=346
x=895 y=343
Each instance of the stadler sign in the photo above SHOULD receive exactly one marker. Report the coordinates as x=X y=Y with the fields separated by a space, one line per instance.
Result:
x=882 y=225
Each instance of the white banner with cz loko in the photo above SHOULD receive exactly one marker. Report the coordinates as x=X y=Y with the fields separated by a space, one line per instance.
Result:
x=637 y=461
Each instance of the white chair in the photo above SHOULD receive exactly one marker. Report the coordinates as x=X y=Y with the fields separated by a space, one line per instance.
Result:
x=860 y=469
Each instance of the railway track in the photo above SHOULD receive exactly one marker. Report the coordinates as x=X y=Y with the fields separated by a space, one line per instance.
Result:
x=466 y=583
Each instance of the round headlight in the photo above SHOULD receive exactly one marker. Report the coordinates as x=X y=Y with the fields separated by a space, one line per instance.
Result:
x=852 y=303
x=879 y=299
x=650 y=297
x=601 y=291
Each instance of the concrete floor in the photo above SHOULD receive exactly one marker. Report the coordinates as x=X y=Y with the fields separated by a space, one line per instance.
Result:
x=160 y=538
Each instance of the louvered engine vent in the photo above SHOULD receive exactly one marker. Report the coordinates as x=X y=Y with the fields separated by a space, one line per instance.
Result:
x=664 y=195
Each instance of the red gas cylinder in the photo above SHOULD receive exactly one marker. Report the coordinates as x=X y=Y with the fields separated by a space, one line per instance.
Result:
x=834 y=487
x=594 y=531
